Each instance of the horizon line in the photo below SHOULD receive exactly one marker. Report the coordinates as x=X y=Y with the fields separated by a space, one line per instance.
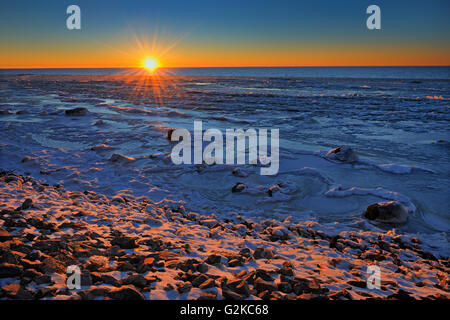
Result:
x=317 y=66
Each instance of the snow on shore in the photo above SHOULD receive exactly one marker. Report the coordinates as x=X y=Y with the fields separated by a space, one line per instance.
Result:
x=131 y=248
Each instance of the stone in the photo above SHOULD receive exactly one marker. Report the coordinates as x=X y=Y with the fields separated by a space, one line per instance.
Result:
x=261 y=285
x=343 y=153
x=238 y=187
x=26 y=204
x=199 y=280
x=16 y=291
x=285 y=287
x=8 y=270
x=76 y=112
x=126 y=292
x=213 y=259
x=392 y=212
x=230 y=295
x=208 y=296
x=136 y=280
x=184 y=287
x=234 y=263
x=263 y=253
x=124 y=242
x=210 y=283
x=5 y=235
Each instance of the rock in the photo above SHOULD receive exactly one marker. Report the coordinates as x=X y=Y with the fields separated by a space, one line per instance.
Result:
x=210 y=283
x=184 y=287
x=16 y=291
x=238 y=187
x=285 y=287
x=109 y=279
x=124 y=242
x=213 y=259
x=26 y=204
x=261 y=285
x=115 y=251
x=343 y=153
x=93 y=293
x=245 y=252
x=51 y=265
x=8 y=270
x=136 y=280
x=238 y=172
x=392 y=212
x=239 y=286
x=281 y=233
x=234 y=263
x=116 y=157
x=263 y=253
x=208 y=296
x=230 y=295
x=199 y=280
x=43 y=279
x=169 y=134
x=273 y=189
x=126 y=292
x=5 y=235
x=202 y=267
x=76 y=112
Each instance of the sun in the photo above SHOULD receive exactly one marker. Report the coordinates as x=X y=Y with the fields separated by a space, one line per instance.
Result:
x=150 y=64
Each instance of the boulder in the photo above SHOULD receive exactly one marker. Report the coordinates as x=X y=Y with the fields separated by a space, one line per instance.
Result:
x=238 y=187
x=392 y=212
x=127 y=292
x=343 y=153
x=76 y=112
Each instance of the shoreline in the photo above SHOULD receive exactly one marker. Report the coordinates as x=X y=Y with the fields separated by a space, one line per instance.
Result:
x=131 y=248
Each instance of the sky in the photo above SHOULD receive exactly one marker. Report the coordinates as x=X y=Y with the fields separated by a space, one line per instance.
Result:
x=197 y=33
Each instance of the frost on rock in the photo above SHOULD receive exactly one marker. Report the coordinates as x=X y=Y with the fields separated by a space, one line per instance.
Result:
x=343 y=153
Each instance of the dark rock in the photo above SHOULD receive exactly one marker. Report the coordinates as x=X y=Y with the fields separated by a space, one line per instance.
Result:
x=263 y=253
x=202 y=267
x=238 y=187
x=93 y=293
x=184 y=287
x=199 y=280
x=343 y=153
x=208 y=296
x=76 y=112
x=8 y=270
x=392 y=212
x=26 y=204
x=124 y=242
x=246 y=252
x=230 y=295
x=16 y=291
x=213 y=259
x=239 y=286
x=127 y=292
x=261 y=285
x=210 y=283
x=285 y=287
x=234 y=263
x=5 y=235
x=136 y=280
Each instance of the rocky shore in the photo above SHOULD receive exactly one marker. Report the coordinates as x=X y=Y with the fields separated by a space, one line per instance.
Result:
x=131 y=248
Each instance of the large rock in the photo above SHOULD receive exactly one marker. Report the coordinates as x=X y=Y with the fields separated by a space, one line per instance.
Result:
x=343 y=153
x=8 y=270
x=76 y=112
x=128 y=292
x=387 y=212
